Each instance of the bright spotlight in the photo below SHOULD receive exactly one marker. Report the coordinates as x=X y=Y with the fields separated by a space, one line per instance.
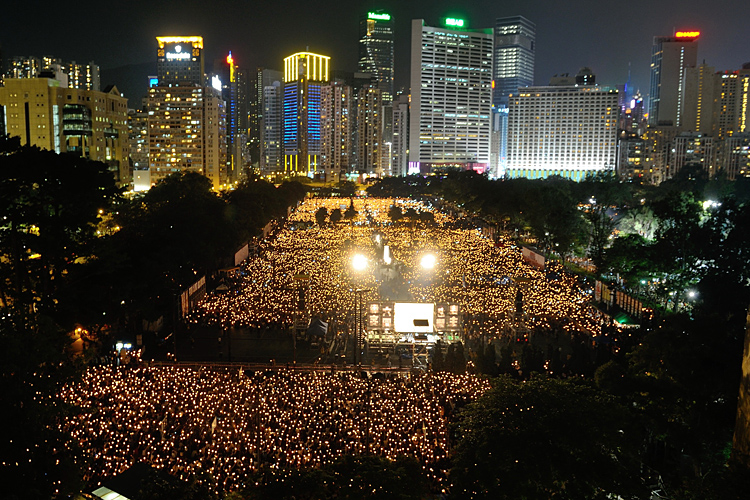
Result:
x=359 y=262
x=428 y=261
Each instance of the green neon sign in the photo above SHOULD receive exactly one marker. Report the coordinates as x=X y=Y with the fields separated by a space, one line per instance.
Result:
x=450 y=21
x=378 y=17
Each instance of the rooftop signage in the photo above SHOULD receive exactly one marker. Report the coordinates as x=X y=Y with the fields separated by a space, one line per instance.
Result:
x=687 y=34
x=458 y=23
x=378 y=16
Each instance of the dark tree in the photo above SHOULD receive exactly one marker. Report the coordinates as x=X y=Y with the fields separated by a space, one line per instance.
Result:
x=335 y=216
x=544 y=439
x=321 y=215
x=350 y=212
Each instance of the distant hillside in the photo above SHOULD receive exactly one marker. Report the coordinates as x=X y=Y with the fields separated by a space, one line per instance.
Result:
x=131 y=80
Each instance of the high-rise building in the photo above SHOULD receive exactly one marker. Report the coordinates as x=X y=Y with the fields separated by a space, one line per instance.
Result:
x=670 y=56
x=179 y=60
x=570 y=131
x=731 y=103
x=304 y=75
x=336 y=119
x=376 y=50
x=400 y=145
x=513 y=68
x=92 y=124
x=515 y=46
x=234 y=93
x=698 y=99
x=187 y=132
x=138 y=138
x=186 y=120
x=69 y=74
x=82 y=76
x=370 y=131
x=451 y=97
x=271 y=120
x=735 y=156
x=693 y=149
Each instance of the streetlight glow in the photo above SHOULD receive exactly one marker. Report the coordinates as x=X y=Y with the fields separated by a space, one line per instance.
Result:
x=359 y=262
x=428 y=261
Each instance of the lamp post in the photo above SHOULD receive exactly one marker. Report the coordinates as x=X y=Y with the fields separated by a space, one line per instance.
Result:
x=358 y=322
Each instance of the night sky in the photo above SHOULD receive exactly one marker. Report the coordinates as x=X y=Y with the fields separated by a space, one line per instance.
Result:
x=604 y=35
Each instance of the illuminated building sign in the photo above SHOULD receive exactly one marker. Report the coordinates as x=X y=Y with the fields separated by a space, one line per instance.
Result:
x=378 y=17
x=178 y=54
x=687 y=34
x=216 y=82
x=458 y=23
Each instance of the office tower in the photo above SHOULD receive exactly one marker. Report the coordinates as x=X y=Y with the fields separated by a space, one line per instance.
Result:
x=515 y=47
x=88 y=123
x=186 y=120
x=138 y=139
x=400 y=146
x=370 y=131
x=187 y=132
x=698 y=99
x=731 y=106
x=271 y=120
x=670 y=56
x=233 y=93
x=376 y=50
x=451 y=100
x=570 y=131
x=179 y=60
x=337 y=117
x=304 y=74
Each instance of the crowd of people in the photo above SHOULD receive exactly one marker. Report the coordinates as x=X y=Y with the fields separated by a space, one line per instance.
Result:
x=230 y=423
x=481 y=275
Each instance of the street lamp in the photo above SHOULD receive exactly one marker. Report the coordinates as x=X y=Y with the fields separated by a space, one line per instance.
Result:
x=359 y=322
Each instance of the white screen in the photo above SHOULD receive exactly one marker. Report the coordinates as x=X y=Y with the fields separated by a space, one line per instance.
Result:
x=405 y=314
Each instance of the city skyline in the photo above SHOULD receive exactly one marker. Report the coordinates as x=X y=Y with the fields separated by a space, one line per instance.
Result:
x=567 y=38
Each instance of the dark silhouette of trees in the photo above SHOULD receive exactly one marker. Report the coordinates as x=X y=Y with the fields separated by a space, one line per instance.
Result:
x=545 y=438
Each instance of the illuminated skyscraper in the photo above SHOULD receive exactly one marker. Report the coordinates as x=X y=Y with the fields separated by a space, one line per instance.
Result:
x=451 y=97
x=187 y=132
x=515 y=46
x=186 y=120
x=234 y=93
x=376 y=50
x=400 y=144
x=670 y=56
x=270 y=120
x=179 y=60
x=304 y=74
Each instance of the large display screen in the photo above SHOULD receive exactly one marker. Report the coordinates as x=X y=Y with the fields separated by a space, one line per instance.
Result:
x=413 y=317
